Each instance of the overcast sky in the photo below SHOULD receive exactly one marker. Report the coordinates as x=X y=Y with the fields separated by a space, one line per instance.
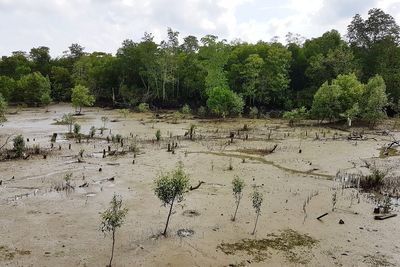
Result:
x=102 y=25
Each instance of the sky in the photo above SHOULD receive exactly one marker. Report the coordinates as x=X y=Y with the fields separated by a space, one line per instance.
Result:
x=102 y=25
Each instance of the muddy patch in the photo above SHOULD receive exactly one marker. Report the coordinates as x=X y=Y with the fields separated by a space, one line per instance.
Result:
x=191 y=213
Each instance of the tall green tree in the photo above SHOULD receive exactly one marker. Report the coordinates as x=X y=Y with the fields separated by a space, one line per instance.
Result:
x=251 y=75
x=375 y=44
x=81 y=97
x=40 y=57
x=374 y=101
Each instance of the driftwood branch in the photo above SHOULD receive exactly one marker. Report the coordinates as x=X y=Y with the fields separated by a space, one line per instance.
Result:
x=273 y=149
x=197 y=186
x=322 y=216
x=6 y=142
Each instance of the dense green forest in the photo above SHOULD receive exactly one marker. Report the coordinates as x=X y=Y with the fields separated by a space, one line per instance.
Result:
x=332 y=76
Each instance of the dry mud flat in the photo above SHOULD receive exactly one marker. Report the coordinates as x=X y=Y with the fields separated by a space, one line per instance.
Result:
x=42 y=227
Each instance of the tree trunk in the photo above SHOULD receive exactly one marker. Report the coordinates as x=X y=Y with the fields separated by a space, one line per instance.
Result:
x=112 y=249
x=255 y=225
x=237 y=207
x=169 y=215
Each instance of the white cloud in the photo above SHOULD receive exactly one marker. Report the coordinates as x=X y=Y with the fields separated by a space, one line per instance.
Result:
x=103 y=24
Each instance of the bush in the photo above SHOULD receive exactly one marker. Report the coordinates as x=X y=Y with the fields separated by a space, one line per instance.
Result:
x=19 y=145
x=201 y=111
x=158 y=135
x=295 y=115
x=224 y=102
x=373 y=181
x=176 y=116
x=77 y=128
x=92 y=131
x=186 y=109
x=143 y=107
x=253 y=113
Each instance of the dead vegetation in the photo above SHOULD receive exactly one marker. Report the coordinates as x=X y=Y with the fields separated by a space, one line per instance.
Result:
x=294 y=246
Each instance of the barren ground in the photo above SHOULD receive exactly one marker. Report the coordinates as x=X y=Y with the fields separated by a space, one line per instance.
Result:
x=42 y=227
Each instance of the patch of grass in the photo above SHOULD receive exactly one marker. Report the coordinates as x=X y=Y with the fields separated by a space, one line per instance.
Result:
x=387 y=153
x=7 y=255
x=293 y=245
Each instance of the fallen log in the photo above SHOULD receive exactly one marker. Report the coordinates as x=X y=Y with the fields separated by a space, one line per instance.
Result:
x=86 y=184
x=273 y=149
x=384 y=217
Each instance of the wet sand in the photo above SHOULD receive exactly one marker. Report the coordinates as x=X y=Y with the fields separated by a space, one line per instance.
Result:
x=42 y=227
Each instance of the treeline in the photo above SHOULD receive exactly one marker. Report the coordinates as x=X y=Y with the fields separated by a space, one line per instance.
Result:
x=214 y=75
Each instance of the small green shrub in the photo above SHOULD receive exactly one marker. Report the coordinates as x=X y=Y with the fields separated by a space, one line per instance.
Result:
x=19 y=145
x=186 y=109
x=77 y=128
x=202 y=111
x=158 y=135
x=295 y=115
x=373 y=181
x=92 y=131
x=143 y=107
x=253 y=113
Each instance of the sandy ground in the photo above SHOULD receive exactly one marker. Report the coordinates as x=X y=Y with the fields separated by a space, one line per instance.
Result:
x=42 y=227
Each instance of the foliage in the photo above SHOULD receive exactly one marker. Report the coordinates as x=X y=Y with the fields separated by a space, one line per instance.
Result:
x=170 y=188
x=224 y=102
x=81 y=97
x=3 y=109
x=19 y=145
x=339 y=97
x=184 y=69
x=45 y=99
x=7 y=87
